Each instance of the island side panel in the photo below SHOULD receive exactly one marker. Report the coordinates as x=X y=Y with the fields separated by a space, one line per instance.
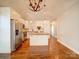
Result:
x=39 y=40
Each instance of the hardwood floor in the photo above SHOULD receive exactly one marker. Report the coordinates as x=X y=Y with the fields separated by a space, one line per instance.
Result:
x=55 y=50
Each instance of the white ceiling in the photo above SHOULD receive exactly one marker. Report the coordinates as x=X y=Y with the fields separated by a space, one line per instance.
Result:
x=53 y=9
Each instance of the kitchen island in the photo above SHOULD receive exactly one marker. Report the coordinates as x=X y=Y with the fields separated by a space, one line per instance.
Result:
x=38 y=39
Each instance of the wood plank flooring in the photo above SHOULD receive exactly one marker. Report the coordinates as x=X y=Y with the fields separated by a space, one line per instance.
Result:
x=55 y=50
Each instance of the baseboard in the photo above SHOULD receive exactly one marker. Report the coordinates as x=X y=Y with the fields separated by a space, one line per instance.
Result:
x=3 y=52
x=68 y=47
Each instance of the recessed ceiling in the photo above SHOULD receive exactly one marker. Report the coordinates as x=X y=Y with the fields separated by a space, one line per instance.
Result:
x=53 y=8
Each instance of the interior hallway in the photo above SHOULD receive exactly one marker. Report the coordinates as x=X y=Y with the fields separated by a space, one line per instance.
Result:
x=60 y=18
x=54 y=51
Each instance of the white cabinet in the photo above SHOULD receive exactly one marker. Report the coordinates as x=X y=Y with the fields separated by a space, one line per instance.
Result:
x=39 y=40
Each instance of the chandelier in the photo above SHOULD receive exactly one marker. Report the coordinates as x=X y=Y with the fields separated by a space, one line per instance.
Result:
x=36 y=5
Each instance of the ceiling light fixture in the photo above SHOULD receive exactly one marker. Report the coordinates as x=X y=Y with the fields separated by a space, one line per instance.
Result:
x=36 y=5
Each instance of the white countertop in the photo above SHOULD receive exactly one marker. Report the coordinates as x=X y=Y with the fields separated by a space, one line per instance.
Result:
x=38 y=33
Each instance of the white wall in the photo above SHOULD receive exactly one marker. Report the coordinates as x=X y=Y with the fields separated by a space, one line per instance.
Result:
x=54 y=28
x=68 y=28
x=5 y=30
x=16 y=16
x=45 y=25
